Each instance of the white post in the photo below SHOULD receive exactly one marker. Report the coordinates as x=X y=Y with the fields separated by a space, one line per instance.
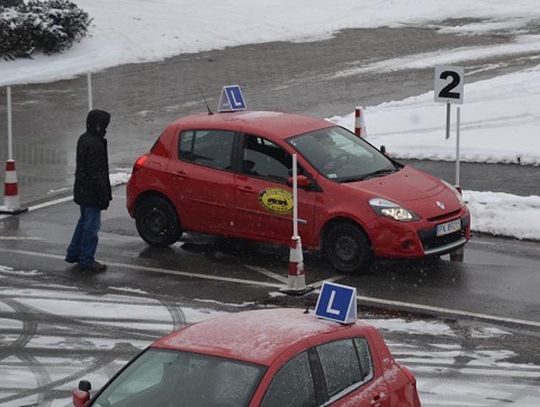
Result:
x=447 y=121
x=295 y=196
x=9 y=125
x=458 y=117
x=89 y=85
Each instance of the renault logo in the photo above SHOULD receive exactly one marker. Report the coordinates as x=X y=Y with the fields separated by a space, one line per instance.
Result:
x=440 y=205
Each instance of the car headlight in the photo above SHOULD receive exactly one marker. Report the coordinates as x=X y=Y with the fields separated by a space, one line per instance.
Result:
x=455 y=191
x=390 y=209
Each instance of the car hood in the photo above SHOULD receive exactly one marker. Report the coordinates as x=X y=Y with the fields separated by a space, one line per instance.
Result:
x=412 y=188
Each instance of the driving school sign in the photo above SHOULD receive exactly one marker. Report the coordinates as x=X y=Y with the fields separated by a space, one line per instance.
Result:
x=276 y=200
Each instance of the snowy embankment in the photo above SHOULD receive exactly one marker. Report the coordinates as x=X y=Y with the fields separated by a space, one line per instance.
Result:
x=133 y=31
x=499 y=123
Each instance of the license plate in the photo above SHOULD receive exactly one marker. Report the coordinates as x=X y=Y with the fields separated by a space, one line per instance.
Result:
x=448 y=227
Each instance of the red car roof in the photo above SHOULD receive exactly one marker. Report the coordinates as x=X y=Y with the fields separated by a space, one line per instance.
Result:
x=253 y=336
x=276 y=124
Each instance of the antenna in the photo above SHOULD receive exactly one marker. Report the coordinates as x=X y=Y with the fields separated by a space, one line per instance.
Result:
x=205 y=102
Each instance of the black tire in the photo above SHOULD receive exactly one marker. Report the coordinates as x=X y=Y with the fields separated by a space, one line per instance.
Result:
x=347 y=248
x=157 y=221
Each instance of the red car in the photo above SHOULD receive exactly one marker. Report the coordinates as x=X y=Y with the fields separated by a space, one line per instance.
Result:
x=229 y=174
x=267 y=358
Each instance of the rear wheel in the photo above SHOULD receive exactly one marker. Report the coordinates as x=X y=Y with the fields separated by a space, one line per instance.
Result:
x=347 y=248
x=157 y=221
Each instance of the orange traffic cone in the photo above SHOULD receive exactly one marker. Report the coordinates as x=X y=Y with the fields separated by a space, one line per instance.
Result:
x=11 y=192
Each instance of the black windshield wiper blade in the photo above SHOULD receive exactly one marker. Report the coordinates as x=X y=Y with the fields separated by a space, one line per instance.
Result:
x=380 y=172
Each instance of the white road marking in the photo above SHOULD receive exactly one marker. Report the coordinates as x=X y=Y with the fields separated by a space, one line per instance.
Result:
x=364 y=299
x=330 y=280
x=43 y=205
x=447 y=311
x=20 y=238
x=155 y=269
x=268 y=273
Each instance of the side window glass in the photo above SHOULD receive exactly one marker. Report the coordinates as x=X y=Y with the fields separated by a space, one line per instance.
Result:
x=292 y=386
x=364 y=355
x=340 y=365
x=207 y=147
x=186 y=145
x=265 y=159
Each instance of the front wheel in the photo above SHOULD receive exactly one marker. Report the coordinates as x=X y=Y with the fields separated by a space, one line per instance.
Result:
x=347 y=248
x=157 y=222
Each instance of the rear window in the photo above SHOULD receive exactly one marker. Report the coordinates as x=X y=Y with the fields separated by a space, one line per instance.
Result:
x=212 y=148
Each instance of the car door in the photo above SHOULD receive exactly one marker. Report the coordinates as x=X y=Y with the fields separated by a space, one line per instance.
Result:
x=292 y=385
x=351 y=375
x=203 y=180
x=263 y=198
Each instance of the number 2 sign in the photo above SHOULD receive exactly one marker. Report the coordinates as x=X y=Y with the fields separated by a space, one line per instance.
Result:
x=449 y=84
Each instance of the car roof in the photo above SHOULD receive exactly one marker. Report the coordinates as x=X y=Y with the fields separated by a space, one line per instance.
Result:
x=270 y=124
x=254 y=336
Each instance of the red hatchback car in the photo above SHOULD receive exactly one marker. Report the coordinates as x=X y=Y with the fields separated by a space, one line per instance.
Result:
x=267 y=358
x=229 y=174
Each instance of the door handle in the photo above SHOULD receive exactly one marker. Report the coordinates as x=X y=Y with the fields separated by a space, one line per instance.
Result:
x=376 y=400
x=246 y=189
x=180 y=174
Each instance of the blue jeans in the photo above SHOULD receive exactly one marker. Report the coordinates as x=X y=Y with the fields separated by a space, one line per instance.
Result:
x=85 y=238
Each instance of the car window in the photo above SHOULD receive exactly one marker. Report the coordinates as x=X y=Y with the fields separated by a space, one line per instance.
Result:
x=265 y=159
x=208 y=147
x=292 y=386
x=364 y=355
x=340 y=364
x=161 y=378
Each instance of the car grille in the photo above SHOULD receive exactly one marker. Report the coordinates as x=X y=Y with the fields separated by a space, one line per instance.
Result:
x=430 y=240
x=444 y=216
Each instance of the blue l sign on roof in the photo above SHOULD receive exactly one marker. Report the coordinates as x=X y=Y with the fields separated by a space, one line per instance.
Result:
x=337 y=302
x=231 y=99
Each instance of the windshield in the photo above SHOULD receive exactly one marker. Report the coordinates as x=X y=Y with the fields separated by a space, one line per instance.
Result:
x=341 y=156
x=166 y=378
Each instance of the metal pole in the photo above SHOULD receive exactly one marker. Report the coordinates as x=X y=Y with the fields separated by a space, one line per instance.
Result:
x=295 y=196
x=458 y=119
x=89 y=85
x=447 y=121
x=9 y=125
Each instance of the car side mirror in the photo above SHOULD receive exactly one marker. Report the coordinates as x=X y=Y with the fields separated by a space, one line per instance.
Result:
x=301 y=180
x=383 y=149
x=82 y=394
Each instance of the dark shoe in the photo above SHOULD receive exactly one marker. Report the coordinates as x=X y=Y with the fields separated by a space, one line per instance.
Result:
x=71 y=260
x=94 y=268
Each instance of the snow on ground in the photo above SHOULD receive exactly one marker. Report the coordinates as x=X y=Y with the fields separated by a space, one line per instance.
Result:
x=131 y=31
x=499 y=123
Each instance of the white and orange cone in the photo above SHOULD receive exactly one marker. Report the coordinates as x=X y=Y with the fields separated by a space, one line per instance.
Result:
x=296 y=281
x=359 y=122
x=12 y=203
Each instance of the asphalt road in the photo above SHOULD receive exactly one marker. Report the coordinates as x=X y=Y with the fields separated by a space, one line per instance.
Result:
x=497 y=281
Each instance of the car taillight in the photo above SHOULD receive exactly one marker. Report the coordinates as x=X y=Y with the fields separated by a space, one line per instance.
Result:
x=140 y=162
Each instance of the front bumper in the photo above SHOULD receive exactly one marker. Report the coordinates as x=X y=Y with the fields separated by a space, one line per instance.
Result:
x=393 y=239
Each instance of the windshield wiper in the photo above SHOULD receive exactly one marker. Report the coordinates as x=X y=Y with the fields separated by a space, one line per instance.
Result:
x=371 y=175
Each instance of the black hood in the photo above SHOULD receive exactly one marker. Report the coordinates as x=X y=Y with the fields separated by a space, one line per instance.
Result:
x=97 y=122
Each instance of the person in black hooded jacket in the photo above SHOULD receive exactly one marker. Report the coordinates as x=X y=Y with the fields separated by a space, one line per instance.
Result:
x=92 y=191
